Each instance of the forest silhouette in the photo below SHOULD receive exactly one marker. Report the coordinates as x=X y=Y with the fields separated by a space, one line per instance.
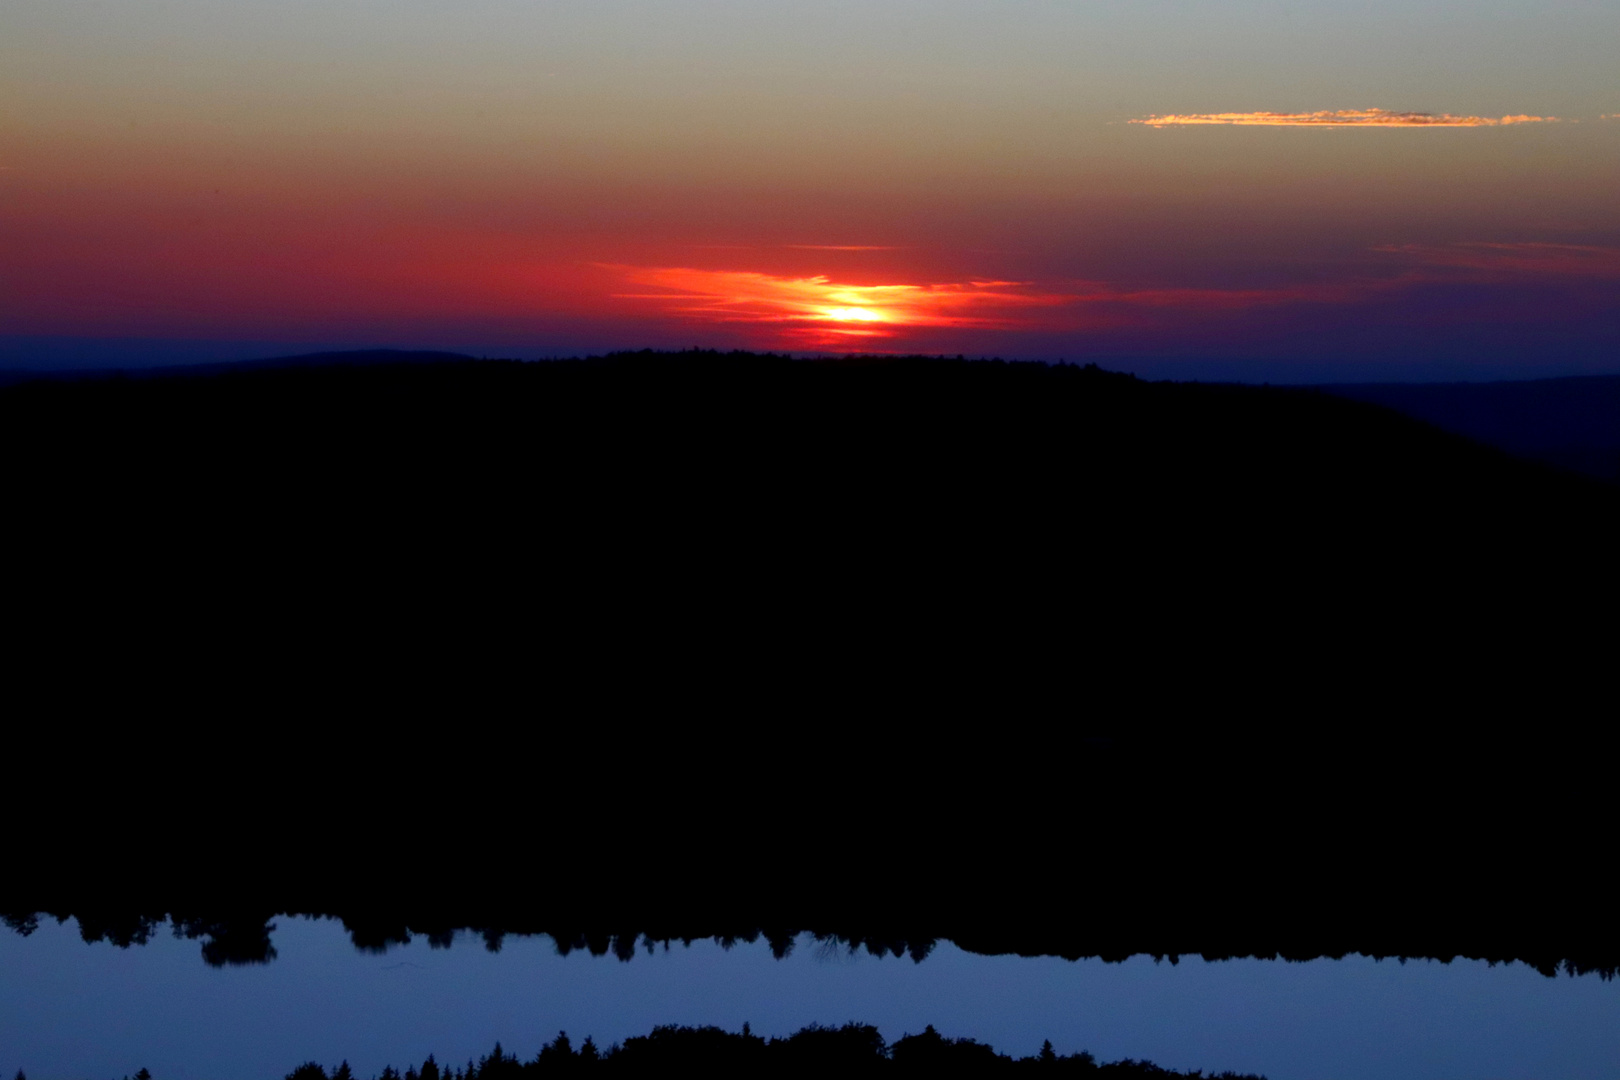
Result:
x=1031 y=658
x=245 y=939
x=1320 y=843
x=816 y=1050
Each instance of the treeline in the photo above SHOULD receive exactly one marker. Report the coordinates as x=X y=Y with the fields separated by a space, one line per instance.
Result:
x=812 y=1051
x=1018 y=839
x=815 y=1050
x=248 y=940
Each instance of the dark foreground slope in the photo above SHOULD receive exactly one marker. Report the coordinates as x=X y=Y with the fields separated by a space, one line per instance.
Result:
x=910 y=506
x=680 y=645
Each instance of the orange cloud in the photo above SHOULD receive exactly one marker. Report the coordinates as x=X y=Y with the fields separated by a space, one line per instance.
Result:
x=1339 y=118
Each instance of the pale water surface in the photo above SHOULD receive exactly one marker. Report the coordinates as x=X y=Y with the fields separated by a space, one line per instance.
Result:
x=71 y=1011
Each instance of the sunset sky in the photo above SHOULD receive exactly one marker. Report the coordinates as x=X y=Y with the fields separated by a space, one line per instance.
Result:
x=1294 y=191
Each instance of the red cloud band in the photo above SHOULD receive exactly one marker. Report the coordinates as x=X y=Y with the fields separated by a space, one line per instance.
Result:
x=1517 y=259
x=818 y=311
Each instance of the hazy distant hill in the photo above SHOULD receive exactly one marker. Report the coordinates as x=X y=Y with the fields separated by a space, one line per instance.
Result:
x=1574 y=422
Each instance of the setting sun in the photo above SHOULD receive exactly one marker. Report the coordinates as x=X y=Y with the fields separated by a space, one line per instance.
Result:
x=852 y=314
x=815 y=309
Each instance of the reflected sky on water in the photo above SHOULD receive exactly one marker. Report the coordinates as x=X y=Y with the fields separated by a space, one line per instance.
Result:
x=96 y=1012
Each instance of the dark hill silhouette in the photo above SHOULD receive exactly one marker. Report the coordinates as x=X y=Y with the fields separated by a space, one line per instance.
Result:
x=1571 y=422
x=347 y=359
x=680 y=645
x=363 y=358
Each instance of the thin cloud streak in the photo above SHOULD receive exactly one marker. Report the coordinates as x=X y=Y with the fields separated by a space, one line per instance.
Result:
x=1382 y=118
x=1514 y=259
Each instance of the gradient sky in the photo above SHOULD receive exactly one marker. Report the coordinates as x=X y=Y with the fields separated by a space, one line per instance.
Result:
x=1312 y=187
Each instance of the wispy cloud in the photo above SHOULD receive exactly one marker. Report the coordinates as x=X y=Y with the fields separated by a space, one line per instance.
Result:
x=1513 y=259
x=1339 y=118
x=839 y=247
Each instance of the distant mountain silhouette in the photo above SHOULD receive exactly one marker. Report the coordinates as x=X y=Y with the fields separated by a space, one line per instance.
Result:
x=1572 y=422
x=1034 y=659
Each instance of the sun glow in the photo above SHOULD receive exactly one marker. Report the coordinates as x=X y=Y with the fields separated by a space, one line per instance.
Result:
x=819 y=308
x=852 y=314
x=800 y=312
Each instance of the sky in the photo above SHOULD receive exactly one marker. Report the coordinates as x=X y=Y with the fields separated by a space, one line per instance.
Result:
x=1303 y=191
x=68 y=1009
